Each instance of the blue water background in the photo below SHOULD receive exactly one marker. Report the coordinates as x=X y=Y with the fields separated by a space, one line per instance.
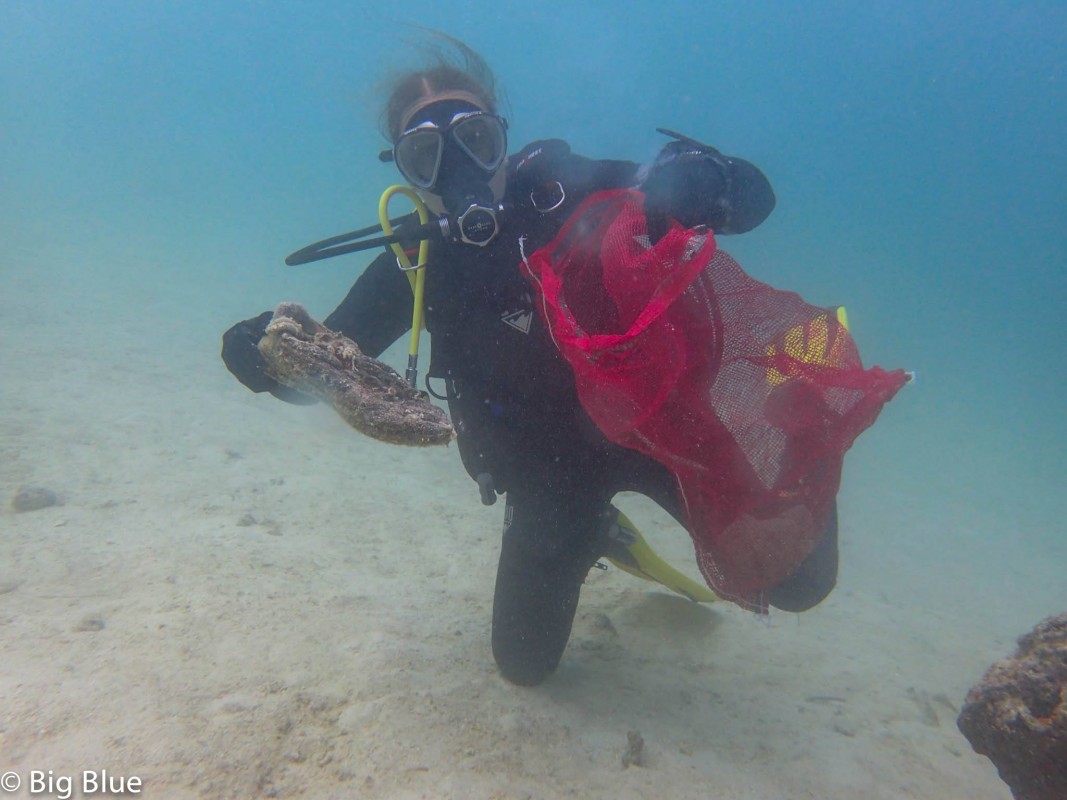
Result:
x=168 y=155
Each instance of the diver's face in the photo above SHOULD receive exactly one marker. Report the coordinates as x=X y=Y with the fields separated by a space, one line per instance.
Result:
x=451 y=149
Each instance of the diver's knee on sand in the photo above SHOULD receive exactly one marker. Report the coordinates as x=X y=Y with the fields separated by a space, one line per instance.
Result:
x=816 y=577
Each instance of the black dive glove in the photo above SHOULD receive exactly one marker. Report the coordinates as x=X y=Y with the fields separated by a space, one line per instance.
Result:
x=243 y=359
x=694 y=184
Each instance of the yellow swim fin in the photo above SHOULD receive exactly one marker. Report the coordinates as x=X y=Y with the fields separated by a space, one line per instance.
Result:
x=638 y=558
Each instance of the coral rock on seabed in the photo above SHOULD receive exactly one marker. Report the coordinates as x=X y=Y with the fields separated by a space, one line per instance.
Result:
x=1017 y=714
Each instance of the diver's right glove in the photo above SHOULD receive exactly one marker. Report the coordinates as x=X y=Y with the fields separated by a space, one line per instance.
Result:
x=241 y=355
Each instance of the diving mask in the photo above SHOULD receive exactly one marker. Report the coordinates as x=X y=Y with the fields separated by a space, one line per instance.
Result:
x=421 y=150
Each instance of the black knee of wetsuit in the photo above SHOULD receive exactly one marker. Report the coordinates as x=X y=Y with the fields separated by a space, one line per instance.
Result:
x=554 y=533
x=816 y=576
x=550 y=542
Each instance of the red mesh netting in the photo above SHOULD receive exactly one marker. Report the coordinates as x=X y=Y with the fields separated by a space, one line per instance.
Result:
x=747 y=394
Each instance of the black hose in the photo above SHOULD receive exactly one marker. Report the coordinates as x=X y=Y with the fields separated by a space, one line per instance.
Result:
x=345 y=242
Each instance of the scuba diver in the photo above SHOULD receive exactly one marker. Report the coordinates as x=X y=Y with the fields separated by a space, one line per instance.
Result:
x=522 y=431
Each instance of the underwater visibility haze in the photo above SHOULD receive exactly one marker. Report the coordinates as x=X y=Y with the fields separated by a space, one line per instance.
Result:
x=233 y=597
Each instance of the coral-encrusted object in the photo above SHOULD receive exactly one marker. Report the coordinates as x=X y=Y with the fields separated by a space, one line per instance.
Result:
x=1017 y=714
x=370 y=396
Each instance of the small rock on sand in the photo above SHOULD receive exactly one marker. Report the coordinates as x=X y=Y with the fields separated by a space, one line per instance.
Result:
x=33 y=498
x=635 y=749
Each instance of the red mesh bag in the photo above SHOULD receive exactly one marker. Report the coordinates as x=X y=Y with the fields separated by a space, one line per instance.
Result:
x=747 y=394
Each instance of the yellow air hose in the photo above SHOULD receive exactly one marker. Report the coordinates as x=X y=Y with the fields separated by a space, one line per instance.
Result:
x=416 y=273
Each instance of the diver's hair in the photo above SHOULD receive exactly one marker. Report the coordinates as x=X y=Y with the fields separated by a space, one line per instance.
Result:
x=451 y=66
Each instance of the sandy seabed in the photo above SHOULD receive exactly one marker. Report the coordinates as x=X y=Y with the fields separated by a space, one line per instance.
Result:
x=238 y=598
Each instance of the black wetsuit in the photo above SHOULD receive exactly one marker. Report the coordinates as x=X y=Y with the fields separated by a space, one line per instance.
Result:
x=513 y=400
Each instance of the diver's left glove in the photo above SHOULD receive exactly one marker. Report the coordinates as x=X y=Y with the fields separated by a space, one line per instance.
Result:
x=694 y=184
x=241 y=355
